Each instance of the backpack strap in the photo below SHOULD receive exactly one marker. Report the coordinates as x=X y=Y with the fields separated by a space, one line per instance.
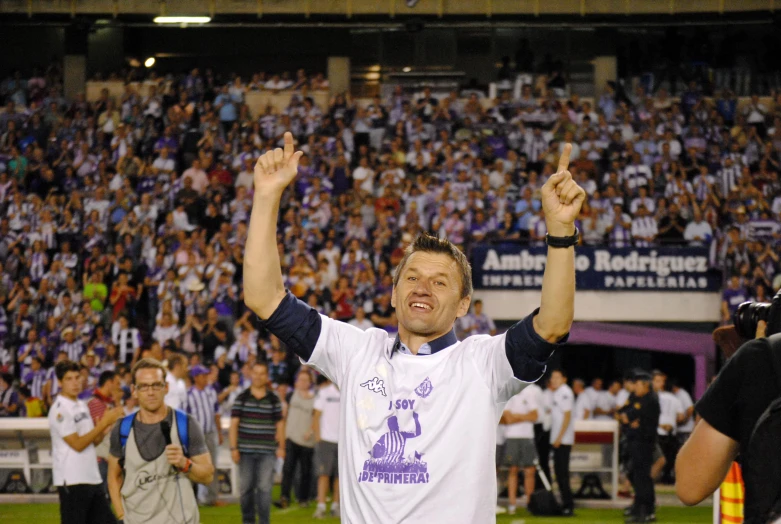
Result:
x=183 y=428
x=124 y=428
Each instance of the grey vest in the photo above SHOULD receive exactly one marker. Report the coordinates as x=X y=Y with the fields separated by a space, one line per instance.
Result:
x=149 y=492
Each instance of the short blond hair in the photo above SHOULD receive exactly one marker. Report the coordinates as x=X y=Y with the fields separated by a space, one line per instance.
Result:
x=147 y=363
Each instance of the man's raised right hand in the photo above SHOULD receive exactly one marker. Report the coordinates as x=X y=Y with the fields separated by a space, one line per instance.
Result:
x=276 y=169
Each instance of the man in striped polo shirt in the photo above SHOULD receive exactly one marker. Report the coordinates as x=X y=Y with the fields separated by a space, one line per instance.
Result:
x=257 y=438
x=203 y=406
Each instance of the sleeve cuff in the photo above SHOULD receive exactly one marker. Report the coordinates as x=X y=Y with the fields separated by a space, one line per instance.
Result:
x=527 y=351
x=296 y=324
x=533 y=344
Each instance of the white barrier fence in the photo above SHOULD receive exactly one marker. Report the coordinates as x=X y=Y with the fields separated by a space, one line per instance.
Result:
x=25 y=449
x=596 y=450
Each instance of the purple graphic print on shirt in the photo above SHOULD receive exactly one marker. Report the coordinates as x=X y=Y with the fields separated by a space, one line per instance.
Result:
x=424 y=389
x=387 y=463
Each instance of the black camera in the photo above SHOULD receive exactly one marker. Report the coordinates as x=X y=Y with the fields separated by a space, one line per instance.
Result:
x=750 y=313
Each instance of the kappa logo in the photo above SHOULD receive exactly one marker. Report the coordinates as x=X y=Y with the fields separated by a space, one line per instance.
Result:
x=376 y=385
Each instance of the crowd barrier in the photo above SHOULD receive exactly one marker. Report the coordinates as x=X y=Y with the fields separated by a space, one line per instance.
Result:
x=26 y=462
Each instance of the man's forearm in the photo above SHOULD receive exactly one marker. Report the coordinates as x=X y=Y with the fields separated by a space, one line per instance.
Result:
x=82 y=442
x=263 y=285
x=114 y=486
x=201 y=473
x=557 y=305
x=233 y=434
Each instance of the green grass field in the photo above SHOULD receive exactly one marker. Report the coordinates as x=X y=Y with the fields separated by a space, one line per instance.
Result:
x=48 y=514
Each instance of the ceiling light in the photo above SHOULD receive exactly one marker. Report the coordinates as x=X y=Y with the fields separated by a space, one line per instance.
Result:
x=407 y=69
x=149 y=62
x=182 y=19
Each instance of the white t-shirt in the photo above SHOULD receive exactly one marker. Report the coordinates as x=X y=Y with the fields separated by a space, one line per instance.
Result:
x=592 y=394
x=177 y=392
x=669 y=407
x=697 y=230
x=71 y=467
x=366 y=177
x=606 y=402
x=563 y=401
x=583 y=404
x=686 y=402
x=164 y=164
x=621 y=398
x=528 y=400
x=327 y=402
x=419 y=432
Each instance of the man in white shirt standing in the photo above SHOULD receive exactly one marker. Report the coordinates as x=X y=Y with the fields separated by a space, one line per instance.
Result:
x=520 y=414
x=686 y=421
x=74 y=460
x=593 y=391
x=622 y=397
x=326 y=428
x=605 y=407
x=177 y=387
x=423 y=406
x=562 y=435
x=670 y=410
x=584 y=406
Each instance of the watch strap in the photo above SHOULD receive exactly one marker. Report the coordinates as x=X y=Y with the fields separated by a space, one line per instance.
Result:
x=563 y=241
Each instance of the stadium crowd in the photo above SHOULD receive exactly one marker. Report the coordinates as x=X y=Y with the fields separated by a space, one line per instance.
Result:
x=123 y=221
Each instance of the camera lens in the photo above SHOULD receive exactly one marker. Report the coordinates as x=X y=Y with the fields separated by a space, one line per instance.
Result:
x=748 y=316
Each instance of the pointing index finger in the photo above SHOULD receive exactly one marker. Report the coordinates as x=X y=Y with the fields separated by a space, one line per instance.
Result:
x=564 y=160
x=288 y=145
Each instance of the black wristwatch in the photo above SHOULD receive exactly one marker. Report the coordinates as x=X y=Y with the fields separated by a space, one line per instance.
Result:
x=562 y=241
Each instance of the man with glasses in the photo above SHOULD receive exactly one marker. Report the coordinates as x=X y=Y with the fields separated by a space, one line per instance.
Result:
x=149 y=479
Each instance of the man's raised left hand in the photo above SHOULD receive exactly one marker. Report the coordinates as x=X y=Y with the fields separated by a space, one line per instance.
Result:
x=562 y=198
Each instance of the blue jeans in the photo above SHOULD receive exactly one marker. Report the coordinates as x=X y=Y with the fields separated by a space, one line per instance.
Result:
x=256 y=478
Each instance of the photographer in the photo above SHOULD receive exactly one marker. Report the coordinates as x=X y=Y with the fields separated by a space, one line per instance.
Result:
x=730 y=410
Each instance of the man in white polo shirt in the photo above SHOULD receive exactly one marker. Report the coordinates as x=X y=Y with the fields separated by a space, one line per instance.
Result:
x=519 y=417
x=418 y=412
x=325 y=421
x=686 y=422
x=74 y=461
x=562 y=435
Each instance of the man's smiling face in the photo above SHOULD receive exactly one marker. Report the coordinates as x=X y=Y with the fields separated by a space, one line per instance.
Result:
x=427 y=296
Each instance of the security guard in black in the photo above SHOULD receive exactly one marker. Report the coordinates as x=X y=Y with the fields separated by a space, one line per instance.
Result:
x=641 y=418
